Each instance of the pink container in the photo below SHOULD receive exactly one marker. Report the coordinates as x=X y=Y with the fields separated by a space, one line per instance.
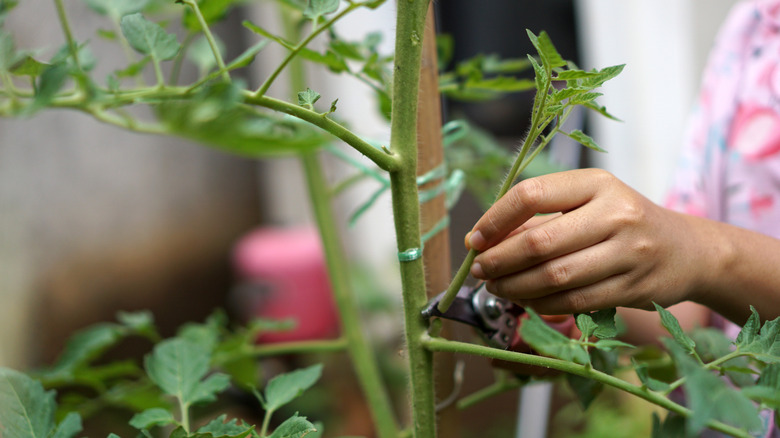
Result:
x=283 y=276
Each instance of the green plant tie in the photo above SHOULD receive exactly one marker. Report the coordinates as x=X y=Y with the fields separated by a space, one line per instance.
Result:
x=441 y=225
x=410 y=255
x=454 y=131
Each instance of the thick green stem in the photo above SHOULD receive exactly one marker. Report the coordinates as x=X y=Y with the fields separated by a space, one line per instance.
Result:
x=439 y=344
x=406 y=209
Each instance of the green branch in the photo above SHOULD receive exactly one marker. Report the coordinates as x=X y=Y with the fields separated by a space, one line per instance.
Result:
x=72 y=47
x=209 y=37
x=440 y=344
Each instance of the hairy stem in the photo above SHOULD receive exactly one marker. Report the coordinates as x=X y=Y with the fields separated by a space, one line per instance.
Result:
x=410 y=23
x=439 y=344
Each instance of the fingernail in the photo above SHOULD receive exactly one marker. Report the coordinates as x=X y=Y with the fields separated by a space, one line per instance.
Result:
x=476 y=240
x=476 y=271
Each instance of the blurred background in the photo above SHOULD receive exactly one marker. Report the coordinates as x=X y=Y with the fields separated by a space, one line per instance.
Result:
x=94 y=219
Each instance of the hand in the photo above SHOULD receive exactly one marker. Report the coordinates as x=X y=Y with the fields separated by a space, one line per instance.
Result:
x=609 y=246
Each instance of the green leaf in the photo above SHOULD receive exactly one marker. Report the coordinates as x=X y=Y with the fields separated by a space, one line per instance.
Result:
x=211 y=10
x=611 y=344
x=549 y=342
x=141 y=322
x=540 y=75
x=673 y=327
x=216 y=117
x=218 y=427
x=600 y=323
x=83 y=347
x=316 y=8
x=585 y=324
x=601 y=110
x=644 y=377
x=330 y=59
x=28 y=409
x=152 y=418
x=672 y=427
x=149 y=38
x=308 y=98
x=584 y=139
x=28 y=66
x=116 y=9
x=293 y=427
x=286 y=387
x=750 y=330
x=247 y=56
x=547 y=52
x=201 y=55
x=178 y=366
x=588 y=389
x=709 y=397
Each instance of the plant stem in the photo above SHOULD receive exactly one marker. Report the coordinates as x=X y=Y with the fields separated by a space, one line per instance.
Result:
x=325 y=346
x=295 y=50
x=185 y=416
x=210 y=38
x=439 y=344
x=487 y=392
x=406 y=209
x=709 y=366
x=359 y=350
x=382 y=159
x=266 y=422
x=74 y=50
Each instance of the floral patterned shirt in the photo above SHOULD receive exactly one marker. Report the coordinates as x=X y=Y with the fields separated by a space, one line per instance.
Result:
x=730 y=163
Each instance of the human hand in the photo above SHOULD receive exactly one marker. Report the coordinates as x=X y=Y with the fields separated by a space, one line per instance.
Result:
x=610 y=246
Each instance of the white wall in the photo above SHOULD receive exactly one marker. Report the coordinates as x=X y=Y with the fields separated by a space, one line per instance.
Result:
x=664 y=44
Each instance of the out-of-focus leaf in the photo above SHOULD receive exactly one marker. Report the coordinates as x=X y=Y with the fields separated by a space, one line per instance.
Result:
x=216 y=117
x=317 y=8
x=29 y=66
x=83 y=347
x=212 y=11
x=284 y=388
x=201 y=55
x=152 y=418
x=149 y=38
x=673 y=426
x=219 y=427
x=709 y=397
x=116 y=9
x=644 y=377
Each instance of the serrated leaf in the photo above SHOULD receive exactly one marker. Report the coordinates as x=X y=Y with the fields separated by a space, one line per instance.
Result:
x=308 y=98
x=547 y=51
x=28 y=409
x=540 y=75
x=549 y=342
x=673 y=327
x=293 y=427
x=316 y=8
x=584 y=139
x=152 y=418
x=709 y=397
x=284 y=388
x=149 y=38
x=600 y=323
x=585 y=324
x=218 y=428
x=116 y=9
x=178 y=366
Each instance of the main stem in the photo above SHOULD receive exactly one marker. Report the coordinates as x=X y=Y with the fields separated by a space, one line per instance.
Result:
x=406 y=209
x=359 y=350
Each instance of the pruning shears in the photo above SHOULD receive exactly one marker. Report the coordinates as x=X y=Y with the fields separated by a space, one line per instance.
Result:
x=495 y=318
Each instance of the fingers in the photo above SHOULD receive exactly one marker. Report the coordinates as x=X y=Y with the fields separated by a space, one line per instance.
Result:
x=571 y=271
x=528 y=246
x=551 y=193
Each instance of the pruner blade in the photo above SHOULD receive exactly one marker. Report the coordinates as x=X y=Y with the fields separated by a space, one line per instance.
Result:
x=494 y=318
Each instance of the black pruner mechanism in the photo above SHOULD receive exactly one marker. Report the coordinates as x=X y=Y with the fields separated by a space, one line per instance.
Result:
x=495 y=318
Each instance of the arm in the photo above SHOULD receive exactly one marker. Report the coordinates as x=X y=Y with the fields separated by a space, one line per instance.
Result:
x=612 y=247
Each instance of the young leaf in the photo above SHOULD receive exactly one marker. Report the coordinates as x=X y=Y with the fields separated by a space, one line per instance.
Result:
x=83 y=347
x=586 y=325
x=764 y=343
x=673 y=327
x=600 y=323
x=149 y=38
x=549 y=342
x=644 y=377
x=584 y=139
x=308 y=98
x=178 y=366
x=316 y=8
x=709 y=397
x=28 y=66
x=547 y=52
x=293 y=427
x=247 y=56
x=284 y=388
x=152 y=418
x=27 y=410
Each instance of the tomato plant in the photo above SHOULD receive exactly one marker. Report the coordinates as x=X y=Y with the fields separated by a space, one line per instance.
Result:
x=217 y=109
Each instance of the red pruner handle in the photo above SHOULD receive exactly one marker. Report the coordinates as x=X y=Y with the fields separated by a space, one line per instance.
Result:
x=564 y=324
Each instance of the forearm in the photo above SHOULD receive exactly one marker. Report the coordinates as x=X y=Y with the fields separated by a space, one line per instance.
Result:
x=737 y=268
